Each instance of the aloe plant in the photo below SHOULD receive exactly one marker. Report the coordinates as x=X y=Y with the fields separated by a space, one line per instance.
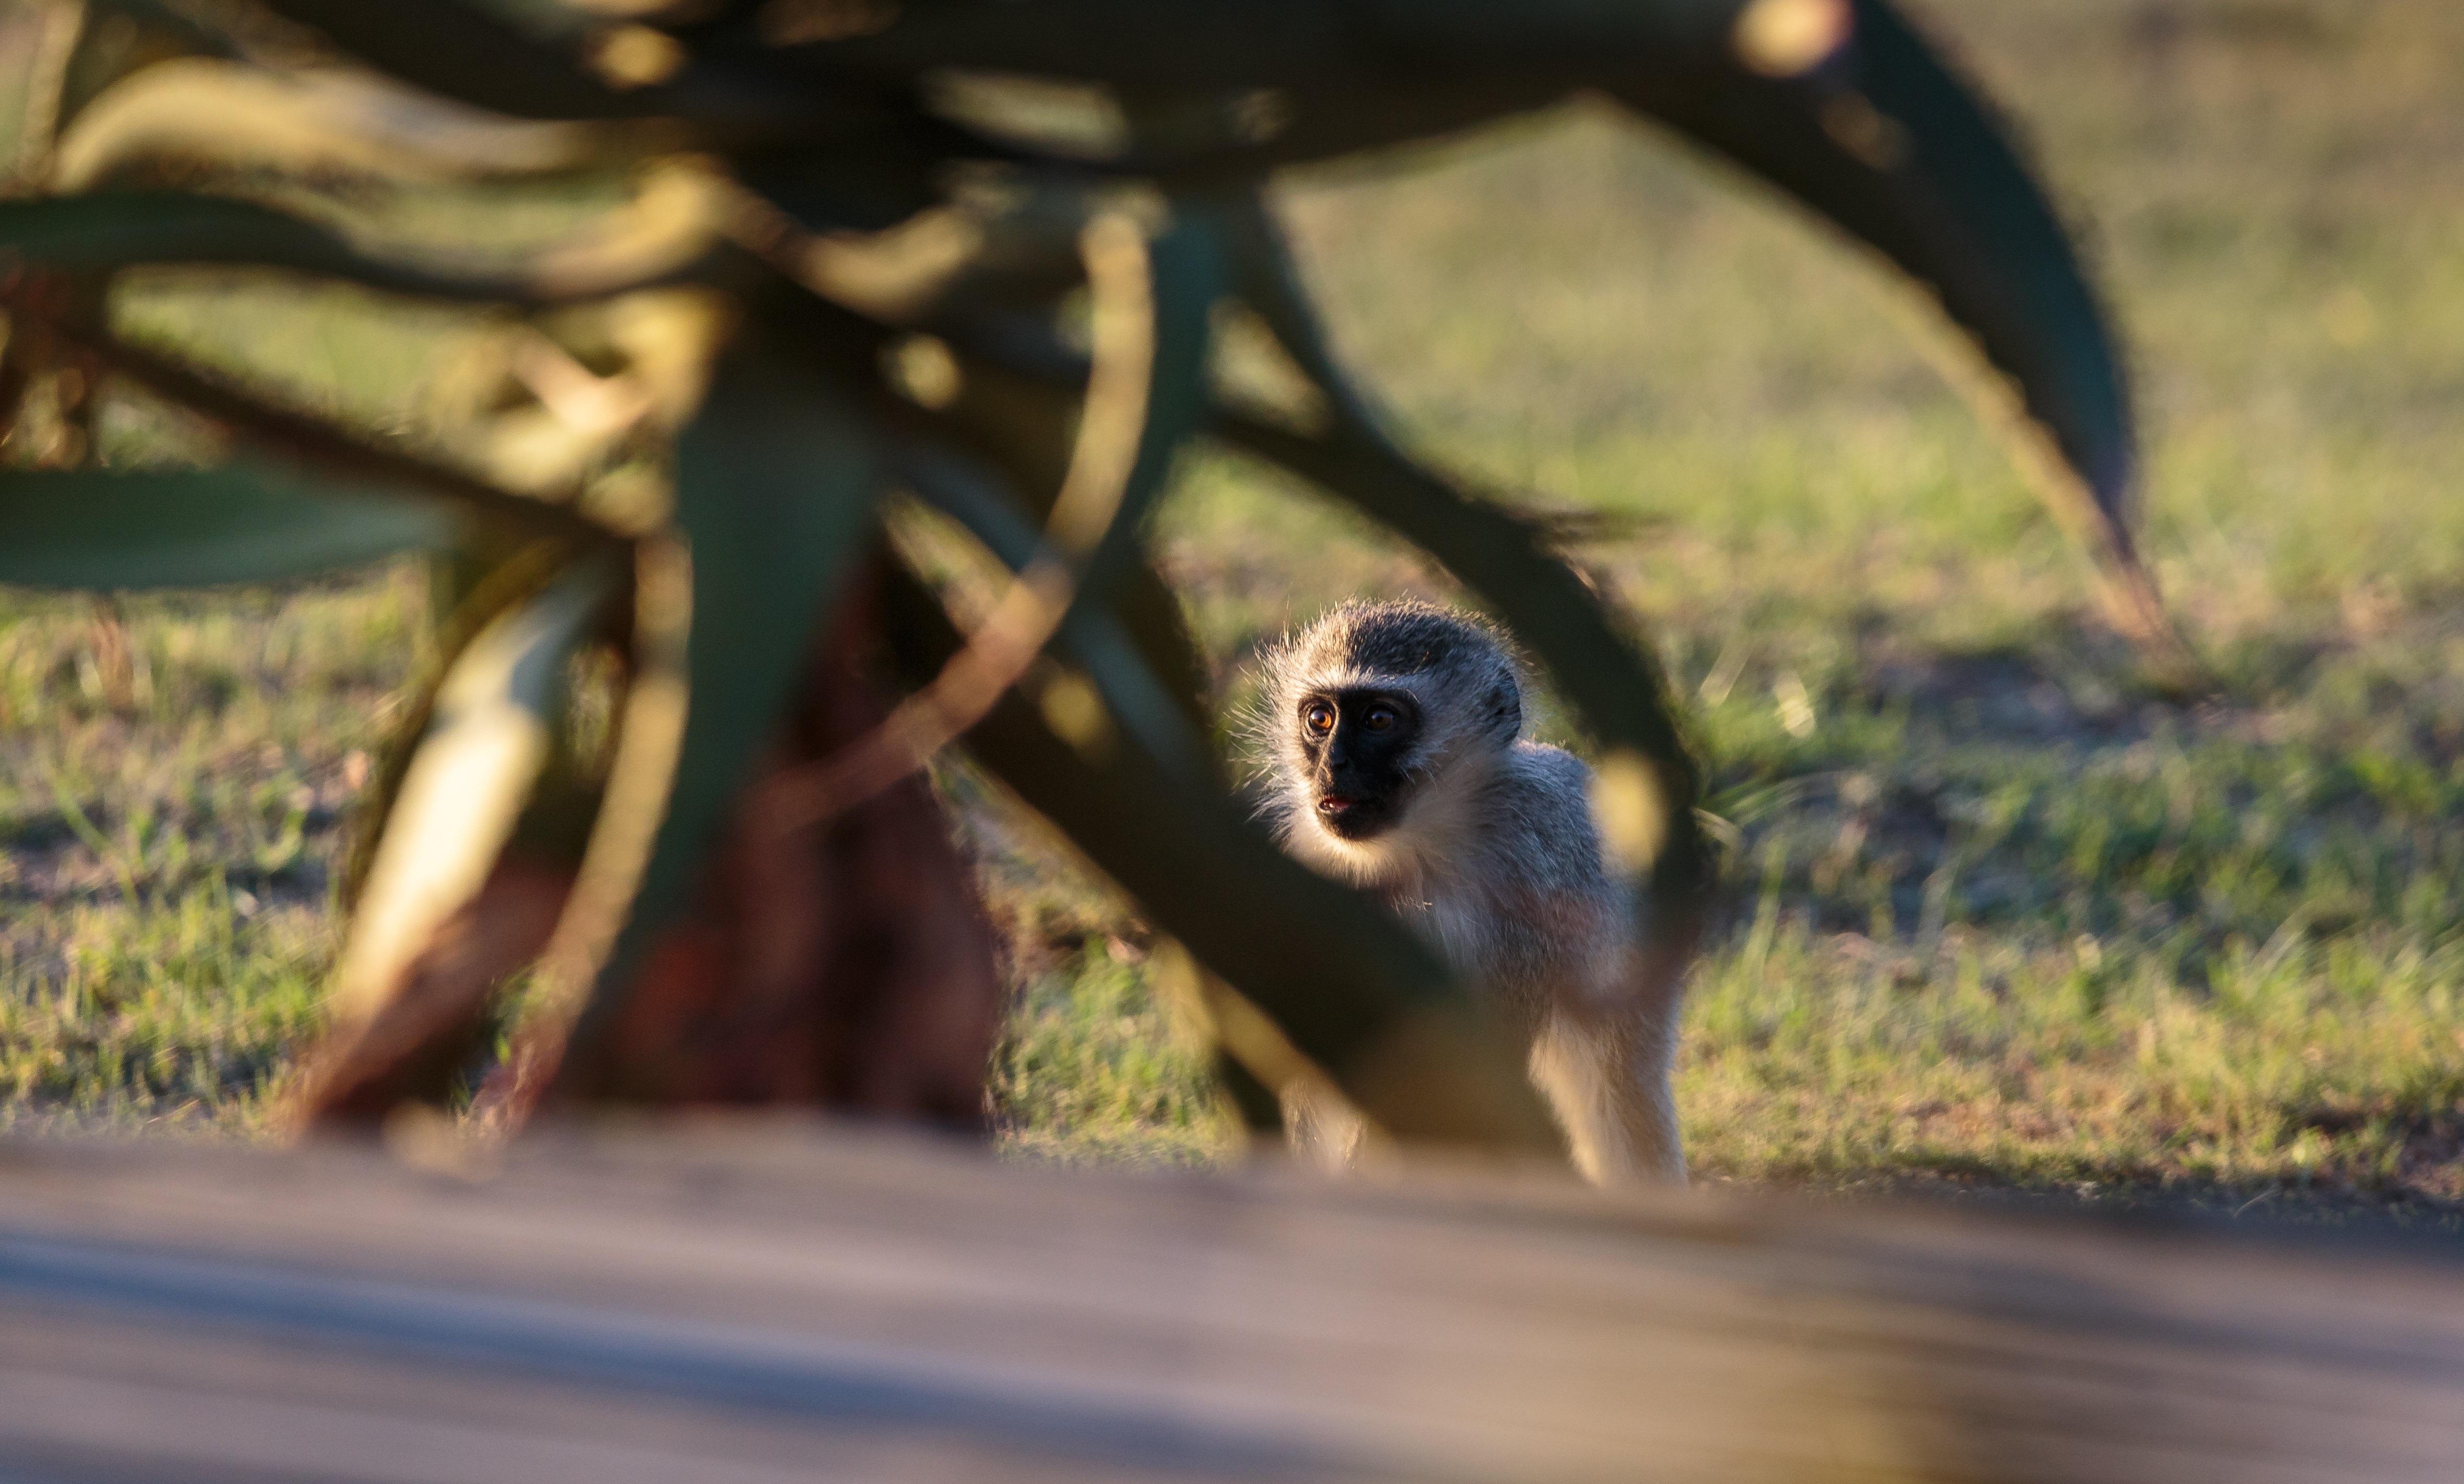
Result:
x=851 y=251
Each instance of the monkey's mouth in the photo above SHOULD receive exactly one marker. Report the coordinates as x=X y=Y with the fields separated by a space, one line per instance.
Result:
x=1353 y=817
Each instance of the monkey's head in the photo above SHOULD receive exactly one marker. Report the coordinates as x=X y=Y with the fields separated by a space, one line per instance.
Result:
x=1372 y=705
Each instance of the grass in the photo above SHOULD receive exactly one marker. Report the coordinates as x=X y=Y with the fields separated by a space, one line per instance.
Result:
x=175 y=776
x=2000 y=918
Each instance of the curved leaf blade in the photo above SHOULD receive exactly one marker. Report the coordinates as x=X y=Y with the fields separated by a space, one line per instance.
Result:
x=494 y=715
x=1878 y=136
x=472 y=587
x=1014 y=423
x=246 y=522
x=1096 y=634
x=660 y=239
x=1187 y=273
x=351 y=455
x=776 y=481
x=475 y=769
x=464 y=52
x=204 y=111
x=531 y=61
x=1885 y=141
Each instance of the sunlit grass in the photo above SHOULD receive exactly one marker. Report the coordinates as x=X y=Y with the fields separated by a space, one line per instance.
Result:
x=1092 y=1067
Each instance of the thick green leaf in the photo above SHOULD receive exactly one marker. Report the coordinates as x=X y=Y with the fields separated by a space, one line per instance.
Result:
x=353 y=456
x=1092 y=633
x=775 y=483
x=198 y=111
x=530 y=61
x=474 y=585
x=664 y=239
x=1220 y=93
x=466 y=52
x=1199 y=47
x=245 y=522
x=1887 y=143
x=194 y=35
x=1187 y=273
x=488 y=737
x=1018 y=424
x=1350 y=985
x=1876 y=135
x=1229 y=88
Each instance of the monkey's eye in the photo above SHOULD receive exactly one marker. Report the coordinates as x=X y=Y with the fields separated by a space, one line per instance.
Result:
x=1380 y=717
x=1319 y=717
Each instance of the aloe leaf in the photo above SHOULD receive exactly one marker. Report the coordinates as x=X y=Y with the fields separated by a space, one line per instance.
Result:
x=488 y=737
x=533 y=61
x=1143 y=396
x=1017 y=424
x=1092 y=633
x=113 y=40
x=193 y=35
x=1875 y=134
x=244 y=522
x=199 y=110
x=1187 y=273
x=1335 y=81
x=353 y=455
x=776 y=481
x=472 y=587
x=1145 y=392
x=467 y=53
x=1349 y=986
x=1884 y=141
x=1130 y=44
x=661 y=239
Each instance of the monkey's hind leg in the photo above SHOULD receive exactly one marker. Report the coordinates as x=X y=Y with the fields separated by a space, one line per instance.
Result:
x=1606 y=1078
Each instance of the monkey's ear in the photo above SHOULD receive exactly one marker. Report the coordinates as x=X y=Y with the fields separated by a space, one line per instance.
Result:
x=1841 y=106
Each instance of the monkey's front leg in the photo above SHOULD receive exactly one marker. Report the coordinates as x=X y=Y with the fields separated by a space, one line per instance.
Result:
x=1324 y=1127
x=1605 y=1074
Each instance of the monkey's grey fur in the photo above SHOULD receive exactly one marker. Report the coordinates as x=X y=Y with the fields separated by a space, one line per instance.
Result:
x=1489 y=849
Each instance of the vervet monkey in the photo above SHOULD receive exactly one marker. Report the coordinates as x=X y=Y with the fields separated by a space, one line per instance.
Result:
x=1398 y=765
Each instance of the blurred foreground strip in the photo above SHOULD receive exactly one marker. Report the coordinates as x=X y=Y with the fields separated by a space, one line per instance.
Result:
x=756 y=1302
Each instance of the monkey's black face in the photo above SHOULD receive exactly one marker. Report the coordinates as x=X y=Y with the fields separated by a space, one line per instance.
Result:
x=1358 y=743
